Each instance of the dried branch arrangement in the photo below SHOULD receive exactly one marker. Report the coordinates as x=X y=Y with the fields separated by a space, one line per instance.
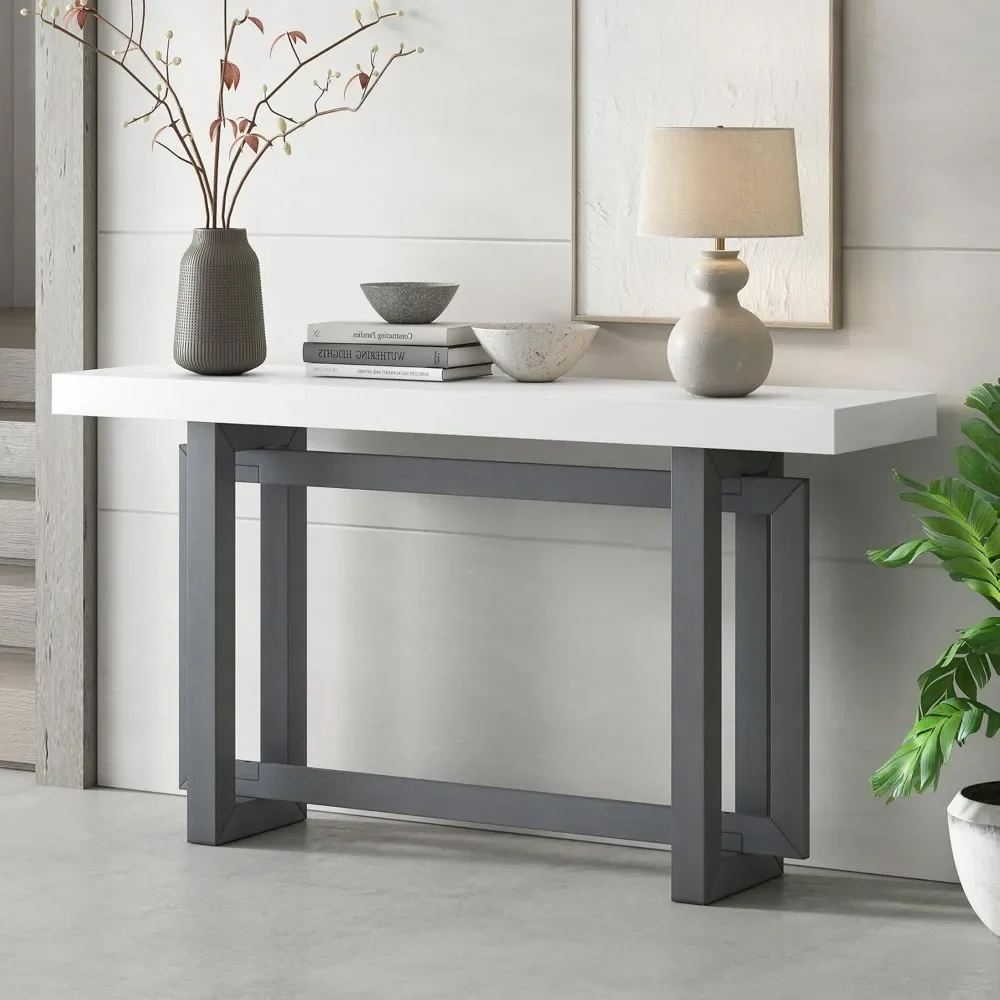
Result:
x=155 y=70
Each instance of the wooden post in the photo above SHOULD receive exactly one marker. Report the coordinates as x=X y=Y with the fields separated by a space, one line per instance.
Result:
x=66 y=339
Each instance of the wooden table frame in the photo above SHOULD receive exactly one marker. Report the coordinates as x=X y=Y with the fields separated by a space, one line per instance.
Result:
x=715 y=853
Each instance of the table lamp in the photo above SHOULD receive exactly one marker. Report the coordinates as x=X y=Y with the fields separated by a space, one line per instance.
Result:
x=718 y=183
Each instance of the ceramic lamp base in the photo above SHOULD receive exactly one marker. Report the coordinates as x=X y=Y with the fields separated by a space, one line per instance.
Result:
x=720 y=349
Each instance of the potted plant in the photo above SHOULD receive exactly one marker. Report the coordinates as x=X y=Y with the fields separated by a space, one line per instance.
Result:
x=961 y=527
x=219 y=327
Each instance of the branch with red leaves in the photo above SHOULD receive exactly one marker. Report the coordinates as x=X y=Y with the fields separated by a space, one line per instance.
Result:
x=260 y=145
x=252 y=139
x=84 y=16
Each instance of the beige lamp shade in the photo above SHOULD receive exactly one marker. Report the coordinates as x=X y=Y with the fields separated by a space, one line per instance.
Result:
x=719 y=182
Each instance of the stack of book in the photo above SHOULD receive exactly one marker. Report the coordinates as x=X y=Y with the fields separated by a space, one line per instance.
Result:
x=436 y=352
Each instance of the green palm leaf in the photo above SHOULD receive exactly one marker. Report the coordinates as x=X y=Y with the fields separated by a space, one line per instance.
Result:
x=906 y=481
x=985 y=438
x=963 y=531
x=965 y=535
x=965 y=667
x=992 y=543
x=916 y=765
x=986 y=399
x=901 y=555
x=956 y=500
x=984 y=637
x=978 y=469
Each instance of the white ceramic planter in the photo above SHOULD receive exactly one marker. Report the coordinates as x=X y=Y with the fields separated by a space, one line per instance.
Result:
x=974 y=826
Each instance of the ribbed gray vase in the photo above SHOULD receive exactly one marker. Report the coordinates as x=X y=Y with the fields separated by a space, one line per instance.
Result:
x=220 y=309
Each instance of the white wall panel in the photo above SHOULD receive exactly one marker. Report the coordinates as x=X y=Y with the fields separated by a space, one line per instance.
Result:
x=922 y=152
x=472 y=139
x=912 y=319
x=137 y=636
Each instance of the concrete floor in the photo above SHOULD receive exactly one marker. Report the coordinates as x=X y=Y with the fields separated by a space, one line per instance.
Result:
x=101 y=899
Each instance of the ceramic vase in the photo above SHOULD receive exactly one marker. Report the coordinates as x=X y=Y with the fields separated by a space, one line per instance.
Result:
x=219 y=328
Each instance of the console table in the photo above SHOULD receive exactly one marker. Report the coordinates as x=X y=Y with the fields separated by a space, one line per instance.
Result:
x=727 y=455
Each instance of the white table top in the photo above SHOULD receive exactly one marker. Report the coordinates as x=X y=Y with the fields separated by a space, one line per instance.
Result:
x=615 y=411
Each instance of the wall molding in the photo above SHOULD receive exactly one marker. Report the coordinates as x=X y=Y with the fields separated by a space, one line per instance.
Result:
x=66 y=457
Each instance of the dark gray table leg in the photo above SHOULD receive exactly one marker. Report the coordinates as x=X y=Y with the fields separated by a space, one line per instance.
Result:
x=753 y=659
x=789 y=806
x=701 y=871
x=283 y=621
x=214 y=814
x=696 y=667
x=753 y=655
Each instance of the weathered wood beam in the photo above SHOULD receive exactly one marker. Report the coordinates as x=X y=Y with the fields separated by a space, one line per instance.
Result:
x=66 y=480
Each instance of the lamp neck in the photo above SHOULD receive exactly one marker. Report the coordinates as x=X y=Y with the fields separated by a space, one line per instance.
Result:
x=720 y=243
x=721 y=275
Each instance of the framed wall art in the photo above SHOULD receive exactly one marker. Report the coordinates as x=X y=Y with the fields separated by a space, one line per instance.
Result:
x=639 y=64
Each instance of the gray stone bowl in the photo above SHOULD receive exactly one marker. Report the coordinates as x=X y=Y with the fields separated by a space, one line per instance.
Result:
x=536 y=352
x=414 y=302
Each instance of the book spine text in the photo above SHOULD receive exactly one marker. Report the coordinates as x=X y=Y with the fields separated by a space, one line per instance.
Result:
x=369 y=371
x=351 y=354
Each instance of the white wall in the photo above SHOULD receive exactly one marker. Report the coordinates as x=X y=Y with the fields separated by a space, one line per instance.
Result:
x=528 y=644
x=17 y=157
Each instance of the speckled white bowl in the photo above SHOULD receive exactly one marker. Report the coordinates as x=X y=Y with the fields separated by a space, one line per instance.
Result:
x=536 y=352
